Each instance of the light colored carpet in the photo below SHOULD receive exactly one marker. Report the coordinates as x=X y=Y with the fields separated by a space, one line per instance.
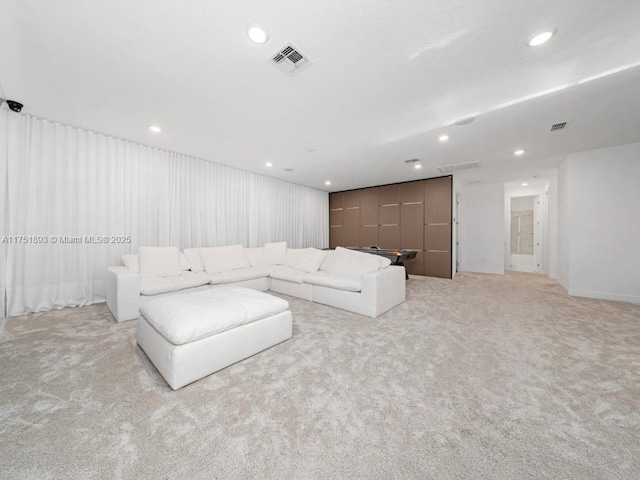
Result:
x=482 y=377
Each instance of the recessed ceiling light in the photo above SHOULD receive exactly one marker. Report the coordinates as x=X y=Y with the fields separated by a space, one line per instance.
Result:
x=155 y=129
x=413 y=161
x=417 y=166
x=257 y=33
x=328 y=182
x=443 y=138
x=268 y=164
x=518 y=152
x=525 y=184
x=540 y=38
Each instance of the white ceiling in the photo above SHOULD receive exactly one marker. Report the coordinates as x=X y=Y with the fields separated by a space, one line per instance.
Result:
x=387 y=79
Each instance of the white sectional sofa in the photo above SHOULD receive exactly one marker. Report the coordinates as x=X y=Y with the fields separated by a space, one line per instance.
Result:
x=354 y=281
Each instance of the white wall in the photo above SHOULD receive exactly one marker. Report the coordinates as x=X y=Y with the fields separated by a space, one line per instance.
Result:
x=482 y=228
x=522 y=203
x=599 y=223
x=564 y=225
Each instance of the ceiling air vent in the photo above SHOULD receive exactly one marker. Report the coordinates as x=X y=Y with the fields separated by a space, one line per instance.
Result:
x=290 y=60
x=458 y=166
x=558 y=126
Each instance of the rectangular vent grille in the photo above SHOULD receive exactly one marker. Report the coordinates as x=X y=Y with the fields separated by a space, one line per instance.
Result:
x=558 y=126
x=458 y=166
x=290 y=60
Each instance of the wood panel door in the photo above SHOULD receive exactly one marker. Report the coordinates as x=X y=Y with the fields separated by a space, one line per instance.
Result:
x=389 y=195
x=369 y=214
x=336 y=200
x=412 y=192
x=389 y=236
x=416 y=265
x=437 y=226
x=351 y=227
x=369 y=235
x=335 y=236
x=369 y=207
x=412 y=234
x=411 y=226
x=437 y=200
x=336 y=219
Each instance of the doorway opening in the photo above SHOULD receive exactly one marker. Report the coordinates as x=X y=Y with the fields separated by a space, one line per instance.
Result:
x=521 y=234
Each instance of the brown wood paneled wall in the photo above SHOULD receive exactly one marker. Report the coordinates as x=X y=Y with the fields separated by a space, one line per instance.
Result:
x=414 y=215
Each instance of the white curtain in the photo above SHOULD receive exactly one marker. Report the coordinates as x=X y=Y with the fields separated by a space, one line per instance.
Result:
x=68 y=188
x=3 y=211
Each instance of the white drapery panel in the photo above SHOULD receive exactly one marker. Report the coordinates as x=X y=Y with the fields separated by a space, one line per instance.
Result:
x=68 y=188
x=3 y=210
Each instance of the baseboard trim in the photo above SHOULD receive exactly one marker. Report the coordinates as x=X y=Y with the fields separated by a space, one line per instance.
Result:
x=605 y=296
x=479 y=270
x=522 y=269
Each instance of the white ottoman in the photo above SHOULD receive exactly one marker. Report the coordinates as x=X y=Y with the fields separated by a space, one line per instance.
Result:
x=189 y=336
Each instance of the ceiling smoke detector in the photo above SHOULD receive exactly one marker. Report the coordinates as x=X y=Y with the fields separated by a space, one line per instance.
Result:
x=290 y=60
x=458 y=166
x=464 y=121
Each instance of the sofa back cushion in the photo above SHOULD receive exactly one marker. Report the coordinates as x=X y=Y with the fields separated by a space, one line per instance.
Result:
x=294 y=255
x=223 y=259
x=132 y=262
x=311 y=260
x=275 y=253
x=343 y=261
x=255 y=256
x=159 y=262
x=185 y=265
x=195 y=262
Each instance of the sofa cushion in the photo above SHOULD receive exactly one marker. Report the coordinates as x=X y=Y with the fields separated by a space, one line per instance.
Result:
x=384 y=262
x=349 y=283
x=258 y=304
x=275 y=253
x=195 y=262
x=255 y=256
x=288 y=274
x=294 y=255
x=131 y=261
x=159 y=262
x=337 y=256
x=311 y=260
x=192 y=316
x=223 y=259
x=238 y=275
x=347 y=262
x=184 y=262
x=158 y=285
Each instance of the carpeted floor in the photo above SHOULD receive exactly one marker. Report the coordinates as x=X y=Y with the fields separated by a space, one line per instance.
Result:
x=482 y=377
